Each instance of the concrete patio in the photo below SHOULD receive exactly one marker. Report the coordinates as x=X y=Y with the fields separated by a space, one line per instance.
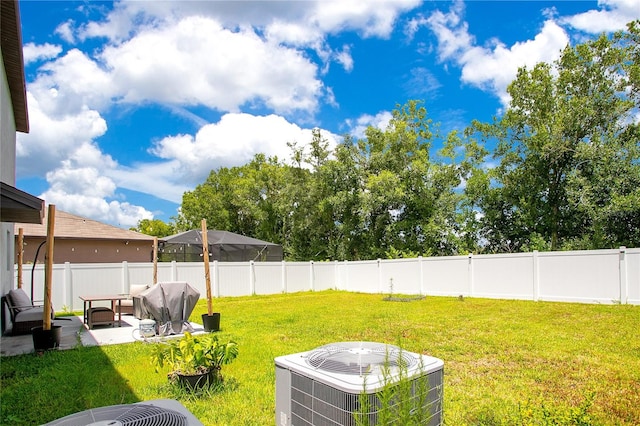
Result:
x=75 y=333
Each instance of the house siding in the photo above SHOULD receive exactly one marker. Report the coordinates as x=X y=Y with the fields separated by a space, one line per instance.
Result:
x=7 y=175
x=90 y=251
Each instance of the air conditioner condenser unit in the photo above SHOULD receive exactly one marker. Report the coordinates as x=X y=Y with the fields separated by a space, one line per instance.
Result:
x=335 y=383
x=157 y=412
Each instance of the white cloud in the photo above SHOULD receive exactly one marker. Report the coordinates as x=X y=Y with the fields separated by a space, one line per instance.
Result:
x=233 y=141
x=345 y=59
x=373 y=19
x=66 y=31
x=413 y=25
x=165 y=180
x=492 y=67
x=452 y=33
x=223 y=56
x=612 y=16
x=70 y=84
x=379 y=121
x=53 y=138
x=79 y=186
x=32 y=52
x=303 y=24
x=198 y=62
x=421 y=83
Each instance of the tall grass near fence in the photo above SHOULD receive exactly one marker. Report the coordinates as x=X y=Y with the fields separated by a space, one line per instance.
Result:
x=506 y=362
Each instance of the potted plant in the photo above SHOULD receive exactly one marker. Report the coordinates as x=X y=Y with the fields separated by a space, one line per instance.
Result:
x=195 y=361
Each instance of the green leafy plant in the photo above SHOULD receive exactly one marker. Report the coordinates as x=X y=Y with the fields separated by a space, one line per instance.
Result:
x=191 y=355
x=401 y=400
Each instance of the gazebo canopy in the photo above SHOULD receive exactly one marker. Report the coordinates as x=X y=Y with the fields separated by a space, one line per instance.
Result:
x=223 y=246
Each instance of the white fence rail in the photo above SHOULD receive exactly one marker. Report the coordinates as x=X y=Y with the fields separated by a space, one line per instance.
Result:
x=598 y=276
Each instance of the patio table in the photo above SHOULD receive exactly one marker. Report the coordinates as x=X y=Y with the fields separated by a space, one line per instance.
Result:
x=113 y=298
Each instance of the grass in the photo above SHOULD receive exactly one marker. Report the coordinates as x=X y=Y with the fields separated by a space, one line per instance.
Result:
x=506 y=362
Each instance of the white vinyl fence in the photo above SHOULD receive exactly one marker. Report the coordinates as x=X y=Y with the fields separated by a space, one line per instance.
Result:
x=597 y=276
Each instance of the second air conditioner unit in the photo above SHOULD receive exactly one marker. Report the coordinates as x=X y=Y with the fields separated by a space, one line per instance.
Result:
x=333 y=384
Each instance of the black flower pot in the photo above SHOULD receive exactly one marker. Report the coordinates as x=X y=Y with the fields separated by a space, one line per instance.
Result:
x=198 y=381
x=44 y=340
x=211 y=322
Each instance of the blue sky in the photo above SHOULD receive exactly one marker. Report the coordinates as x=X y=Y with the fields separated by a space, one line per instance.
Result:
x=132 y=103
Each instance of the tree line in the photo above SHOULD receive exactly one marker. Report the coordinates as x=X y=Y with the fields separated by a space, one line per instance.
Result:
x=558 y=170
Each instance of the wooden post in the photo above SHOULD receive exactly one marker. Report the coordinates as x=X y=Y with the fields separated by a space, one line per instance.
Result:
x=155 y=260
x=205 y=256
x=20 y=249
x=48 y=272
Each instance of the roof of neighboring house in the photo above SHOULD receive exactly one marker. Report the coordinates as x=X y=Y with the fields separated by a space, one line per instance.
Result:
x=11 y=46
x=68 y=225
x=214 y=237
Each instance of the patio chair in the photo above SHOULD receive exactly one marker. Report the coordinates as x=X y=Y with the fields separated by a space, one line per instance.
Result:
x=24 y=315
x=134 y=290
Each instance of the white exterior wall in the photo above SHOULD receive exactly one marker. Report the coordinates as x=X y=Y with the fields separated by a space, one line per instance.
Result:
x=598 y=276
x=7 y=175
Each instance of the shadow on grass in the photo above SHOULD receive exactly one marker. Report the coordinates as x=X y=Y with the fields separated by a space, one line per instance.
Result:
x=37 y=389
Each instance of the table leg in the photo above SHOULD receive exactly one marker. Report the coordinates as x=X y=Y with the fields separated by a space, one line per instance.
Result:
x=90 y=319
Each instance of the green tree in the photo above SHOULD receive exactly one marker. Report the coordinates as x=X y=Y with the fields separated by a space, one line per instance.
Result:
x=567 y=148
x=154 y=227
x=244 y=199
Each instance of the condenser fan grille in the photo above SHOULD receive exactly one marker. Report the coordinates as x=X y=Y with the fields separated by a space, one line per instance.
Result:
x=358 y=358
x=126 y=415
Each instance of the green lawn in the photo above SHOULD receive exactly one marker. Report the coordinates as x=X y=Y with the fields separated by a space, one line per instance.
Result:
x=506 y=362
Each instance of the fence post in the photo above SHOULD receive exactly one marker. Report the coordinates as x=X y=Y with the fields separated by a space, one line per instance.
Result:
x=284 y=276
x=422 y=289
x=216 y=279
x=346 y=275
x=624 y=282
x=252 y=281
x=68 y=286
x=536 y=276
x=379 y=276
x=336 y=275
x=174 y=270
x=470 y=269
x=124 y=286
x=311 y=280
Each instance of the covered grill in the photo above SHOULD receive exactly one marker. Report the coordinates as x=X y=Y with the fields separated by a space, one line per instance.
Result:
x=169 y=304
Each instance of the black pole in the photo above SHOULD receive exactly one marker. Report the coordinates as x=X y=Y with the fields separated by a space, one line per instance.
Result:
x=33 y=268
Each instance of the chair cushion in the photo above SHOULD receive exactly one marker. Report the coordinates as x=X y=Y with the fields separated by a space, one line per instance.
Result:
x=18 y=297
x=33 y=314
